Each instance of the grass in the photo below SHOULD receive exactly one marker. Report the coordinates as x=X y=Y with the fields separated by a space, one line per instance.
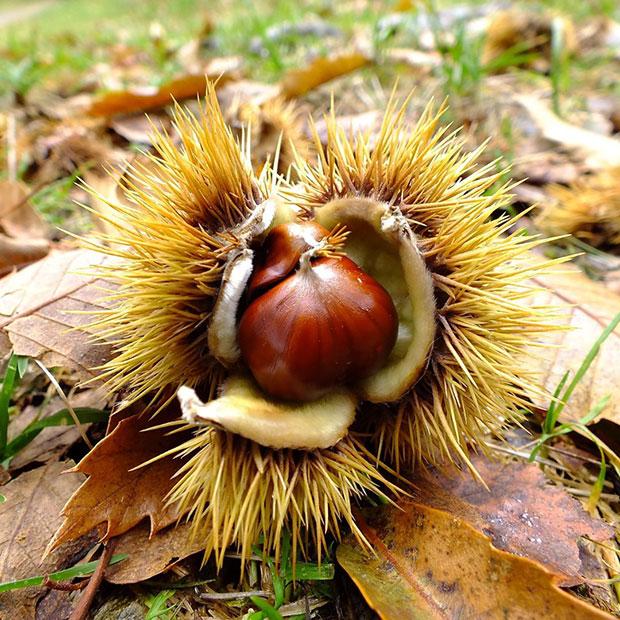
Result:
x=80 y=570
x=551 y=429
x=43 y=48
x=15 y=370
x=285 y=576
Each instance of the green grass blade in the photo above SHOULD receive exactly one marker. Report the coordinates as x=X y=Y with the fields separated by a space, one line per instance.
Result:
x=157 y=605
x=587 y=362
x=8 y=385
x=266 y=609
x=22 y=365
x=595 y=411
x=279 y=586
x=61 y=418
x=557 y=63
x=551 y=418
x=68 y=573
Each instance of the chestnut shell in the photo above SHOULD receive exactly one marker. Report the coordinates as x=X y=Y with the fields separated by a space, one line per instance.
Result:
x=326 y=325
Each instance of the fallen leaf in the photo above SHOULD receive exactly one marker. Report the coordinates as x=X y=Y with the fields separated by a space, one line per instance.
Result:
x=138 y=128
x=28 y=519
x=116 y=494
x=149 y=98
x=599 y=151
x=431 y=564
x=520 y=512
x=18 y=218
x=104 y=186
x=41 y=310
x=149 y=556
x=297 y=82
x=591 y=307
x=18 y=252
x=60 y=148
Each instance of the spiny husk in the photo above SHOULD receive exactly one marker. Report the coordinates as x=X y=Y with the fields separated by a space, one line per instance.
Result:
x=233 y=490
x=173 y=238
x=588 y=209
x=173 y=245
x=475 y=380
x=276 y=126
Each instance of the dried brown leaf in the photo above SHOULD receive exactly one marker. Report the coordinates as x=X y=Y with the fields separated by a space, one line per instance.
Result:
x=598 y=150
x=147 y=98
x=28 y=519
x=115 y=493
x=297 y=82
x=431 y=564
x=138 y=128
x=41 y=310
x=18 y=218
x=148 y=556
x=519 y=512
x=18 y=252
x=591 y=307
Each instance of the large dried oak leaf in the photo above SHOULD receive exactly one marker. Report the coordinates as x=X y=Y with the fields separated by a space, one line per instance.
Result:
x=119 y=493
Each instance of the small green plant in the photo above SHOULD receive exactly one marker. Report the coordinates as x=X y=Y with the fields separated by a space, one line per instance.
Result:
x=15 y=370
x=283 y=578
x=158 y=606
x=552 y=429
x=462 y=66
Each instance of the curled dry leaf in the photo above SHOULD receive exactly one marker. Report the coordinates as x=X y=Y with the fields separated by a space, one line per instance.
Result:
x=150 y=555
x=22 y=230
x=18 y=218
x=28 y=519
x=297 y=82
x=598 y=150
x=42 y=311
x=519 y=512
x=18 y=252
x=591 y=307
x=431 y=564
x=150 y=98
x=116 y=493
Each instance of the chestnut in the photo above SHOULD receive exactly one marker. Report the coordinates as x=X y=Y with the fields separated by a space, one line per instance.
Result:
x=316 y=322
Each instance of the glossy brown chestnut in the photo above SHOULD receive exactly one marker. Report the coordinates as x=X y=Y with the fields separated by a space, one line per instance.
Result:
x=325 y=325
x=281 y=252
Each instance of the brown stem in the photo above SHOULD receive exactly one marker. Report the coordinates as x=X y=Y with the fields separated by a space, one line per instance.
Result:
x=86 y=600
x=64 y=586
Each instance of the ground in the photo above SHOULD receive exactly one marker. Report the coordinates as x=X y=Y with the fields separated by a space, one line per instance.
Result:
x=538 y=85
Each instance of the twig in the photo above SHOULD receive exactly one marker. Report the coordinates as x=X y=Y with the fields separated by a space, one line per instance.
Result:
x=86 y=600
x=228 y=596
x=64 y=586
